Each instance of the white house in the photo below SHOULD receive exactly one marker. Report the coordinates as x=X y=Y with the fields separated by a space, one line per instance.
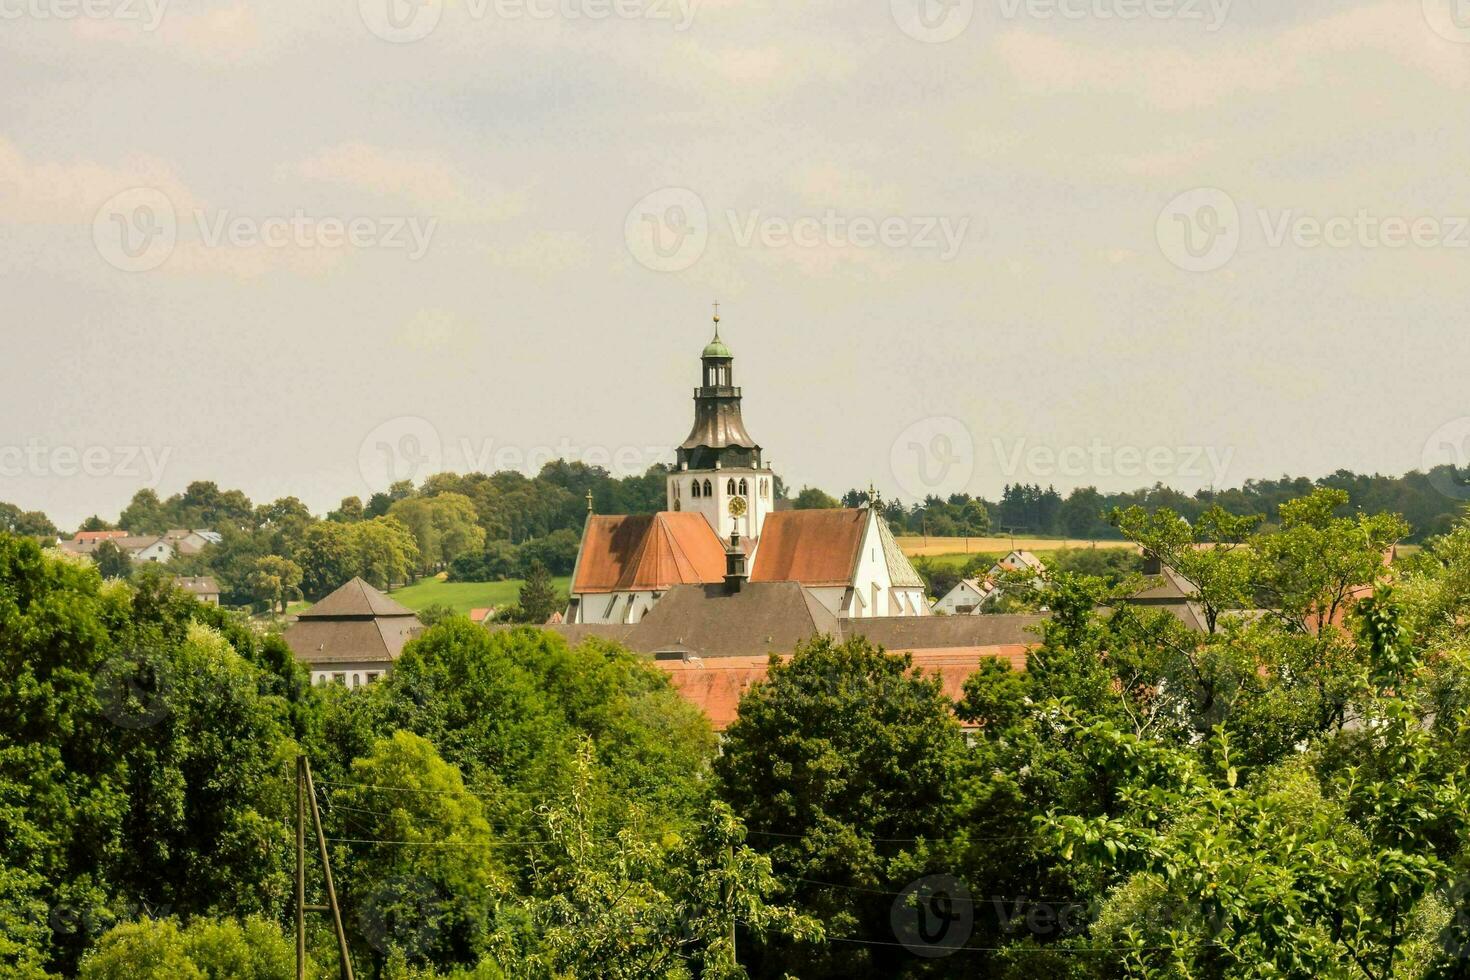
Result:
x=966 y=598
x=1017 y=561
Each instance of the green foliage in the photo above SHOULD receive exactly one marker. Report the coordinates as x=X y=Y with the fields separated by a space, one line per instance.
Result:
x=433 y=892
x=843 y=763
x=811 y=498
x=112 y=561
x=381 y=551
x=539 y=598
x=206 y=949
x=140 y=750
x=443 y=526
x=276 y=581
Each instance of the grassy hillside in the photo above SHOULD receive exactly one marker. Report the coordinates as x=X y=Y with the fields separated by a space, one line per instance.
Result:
x=464 y=596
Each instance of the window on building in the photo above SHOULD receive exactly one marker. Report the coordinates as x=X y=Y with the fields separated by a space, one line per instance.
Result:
x=730 y=487
x=372 y=677
x=709 y=490
x=743 y=490
x=694 y=491
x=339 y=679
x=357 y=680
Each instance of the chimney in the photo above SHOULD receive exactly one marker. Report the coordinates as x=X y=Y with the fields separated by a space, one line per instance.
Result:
x=735 y=573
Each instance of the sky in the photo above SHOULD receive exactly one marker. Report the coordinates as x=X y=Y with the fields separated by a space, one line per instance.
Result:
x=303 y=249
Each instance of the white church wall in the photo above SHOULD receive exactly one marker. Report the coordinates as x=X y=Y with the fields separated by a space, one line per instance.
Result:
x=871 y=579
x=613 y=607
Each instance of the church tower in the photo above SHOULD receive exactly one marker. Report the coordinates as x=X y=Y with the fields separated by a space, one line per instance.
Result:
x=719 y=471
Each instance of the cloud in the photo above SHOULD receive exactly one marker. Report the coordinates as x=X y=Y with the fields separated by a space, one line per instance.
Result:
x=70 y=192
x=422 y=180
x=1215 y=69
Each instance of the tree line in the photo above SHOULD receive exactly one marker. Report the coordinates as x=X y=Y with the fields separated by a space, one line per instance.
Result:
x=478 y=527
x=1281 y=794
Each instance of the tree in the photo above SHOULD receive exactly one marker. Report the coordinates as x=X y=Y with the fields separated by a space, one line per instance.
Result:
x=349 y=511
x=443 y=526
x=31 y=523
x=499 y=561
x=842 y=762
x=141 y=745
x=622 y=906
x=276 y=581
x=158 y=949
x=557 y=551
x=384 y=551
x=538 y=598
x=811 y=498
x=435 y=613
x=327 y=556
x=112 y=561
x=434 y=903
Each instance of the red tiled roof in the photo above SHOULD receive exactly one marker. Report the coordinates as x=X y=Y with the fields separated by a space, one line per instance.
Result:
x=645 y=552
x=813 y=547
x=716 y=686
x=98 y=535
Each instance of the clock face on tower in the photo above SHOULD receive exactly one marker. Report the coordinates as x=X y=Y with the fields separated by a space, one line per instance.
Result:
x=737 y=506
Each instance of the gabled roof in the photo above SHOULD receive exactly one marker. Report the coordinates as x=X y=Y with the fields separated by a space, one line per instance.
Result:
x=197 y=584
x=716 y=687
x=900 y=569
x=648 y=552
x=945 y=632
x=1174 y=588
x=760 y=619
x=357 y=623
x=326 y=641
x=98 y=535
x=355 y=600
x=813 y=547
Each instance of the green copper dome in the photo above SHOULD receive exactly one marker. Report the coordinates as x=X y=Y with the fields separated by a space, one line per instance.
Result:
x=716 y=347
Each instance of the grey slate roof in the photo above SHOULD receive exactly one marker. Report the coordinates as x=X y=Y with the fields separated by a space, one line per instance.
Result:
x=899 y=567
x=774 y=617
x=357 y=623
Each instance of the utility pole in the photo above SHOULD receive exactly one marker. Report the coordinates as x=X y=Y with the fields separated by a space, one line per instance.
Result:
x=300 y=869
x=305 y=789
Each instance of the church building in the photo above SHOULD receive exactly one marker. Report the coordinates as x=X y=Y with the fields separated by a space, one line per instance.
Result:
x=722 y=527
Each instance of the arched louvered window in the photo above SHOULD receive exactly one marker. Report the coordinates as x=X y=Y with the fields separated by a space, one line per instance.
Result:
x=694 y=490
x=743 y=490
x=709 y=490
x=730 y=487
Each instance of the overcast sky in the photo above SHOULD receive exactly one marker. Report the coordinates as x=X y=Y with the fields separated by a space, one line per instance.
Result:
x=289 y=247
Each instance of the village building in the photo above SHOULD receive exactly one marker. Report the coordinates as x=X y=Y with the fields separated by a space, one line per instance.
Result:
x=159 y=548
x=967 y=598
x=353 y=636
x=202 y=587
x=721 y=499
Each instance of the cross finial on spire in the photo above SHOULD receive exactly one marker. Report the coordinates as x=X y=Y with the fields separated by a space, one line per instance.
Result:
x=717 y=319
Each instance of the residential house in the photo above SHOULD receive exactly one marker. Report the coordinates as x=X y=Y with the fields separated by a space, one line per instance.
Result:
x=353 y=636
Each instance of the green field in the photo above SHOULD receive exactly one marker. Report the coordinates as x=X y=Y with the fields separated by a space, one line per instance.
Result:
x=464 y=596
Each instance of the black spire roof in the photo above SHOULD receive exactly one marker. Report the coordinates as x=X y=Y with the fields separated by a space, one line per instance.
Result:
x=719 y=435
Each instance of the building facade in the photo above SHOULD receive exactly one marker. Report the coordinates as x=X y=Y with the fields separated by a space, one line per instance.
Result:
x=719 y=472
x=721 y=507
